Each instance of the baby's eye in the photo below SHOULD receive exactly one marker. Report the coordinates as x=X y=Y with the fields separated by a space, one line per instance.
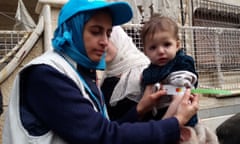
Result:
x=167 y=44
x=153 y=47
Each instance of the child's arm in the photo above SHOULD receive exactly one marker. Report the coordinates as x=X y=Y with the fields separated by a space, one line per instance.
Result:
x=182 y=78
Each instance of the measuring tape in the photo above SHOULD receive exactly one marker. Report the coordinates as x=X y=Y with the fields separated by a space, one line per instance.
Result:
x=175 y=90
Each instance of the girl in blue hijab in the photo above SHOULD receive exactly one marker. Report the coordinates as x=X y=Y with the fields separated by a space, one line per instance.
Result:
x=68 y=39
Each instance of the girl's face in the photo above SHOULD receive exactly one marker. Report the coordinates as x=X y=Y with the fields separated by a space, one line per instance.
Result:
x=96 y=35
x=161 y=47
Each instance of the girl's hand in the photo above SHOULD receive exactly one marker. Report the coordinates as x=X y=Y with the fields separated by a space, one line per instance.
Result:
x=149 y=100
x=187 y=107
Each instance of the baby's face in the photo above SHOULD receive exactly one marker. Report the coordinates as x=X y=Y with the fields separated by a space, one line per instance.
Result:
x=161 y=47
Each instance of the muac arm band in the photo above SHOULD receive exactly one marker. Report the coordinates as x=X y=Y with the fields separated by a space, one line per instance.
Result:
x=210 y=91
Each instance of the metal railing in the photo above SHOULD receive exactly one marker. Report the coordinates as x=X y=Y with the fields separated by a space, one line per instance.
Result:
x=10 y=43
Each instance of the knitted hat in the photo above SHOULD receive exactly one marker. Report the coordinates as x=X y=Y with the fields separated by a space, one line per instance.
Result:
x=121 y=11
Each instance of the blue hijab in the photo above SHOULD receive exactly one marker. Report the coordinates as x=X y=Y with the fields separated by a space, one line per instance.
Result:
x=68 y=39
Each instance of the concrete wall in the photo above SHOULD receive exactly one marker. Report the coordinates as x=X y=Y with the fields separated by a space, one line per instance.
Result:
x=166 y=7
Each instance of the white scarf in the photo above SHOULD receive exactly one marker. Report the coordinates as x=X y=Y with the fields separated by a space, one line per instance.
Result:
x=129 y=62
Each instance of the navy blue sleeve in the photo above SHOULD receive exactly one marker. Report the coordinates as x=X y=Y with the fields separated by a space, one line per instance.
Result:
x=58 y=103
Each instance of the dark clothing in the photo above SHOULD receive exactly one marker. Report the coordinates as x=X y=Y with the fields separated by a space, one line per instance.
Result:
x=123 y=106
x=49 y=100
x=155 y=73
x=228 y=132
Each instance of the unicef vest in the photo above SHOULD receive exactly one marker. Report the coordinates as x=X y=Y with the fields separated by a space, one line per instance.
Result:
x=13 y=131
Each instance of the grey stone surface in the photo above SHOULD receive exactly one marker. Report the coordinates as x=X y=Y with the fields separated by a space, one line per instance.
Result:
x=214 y=107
